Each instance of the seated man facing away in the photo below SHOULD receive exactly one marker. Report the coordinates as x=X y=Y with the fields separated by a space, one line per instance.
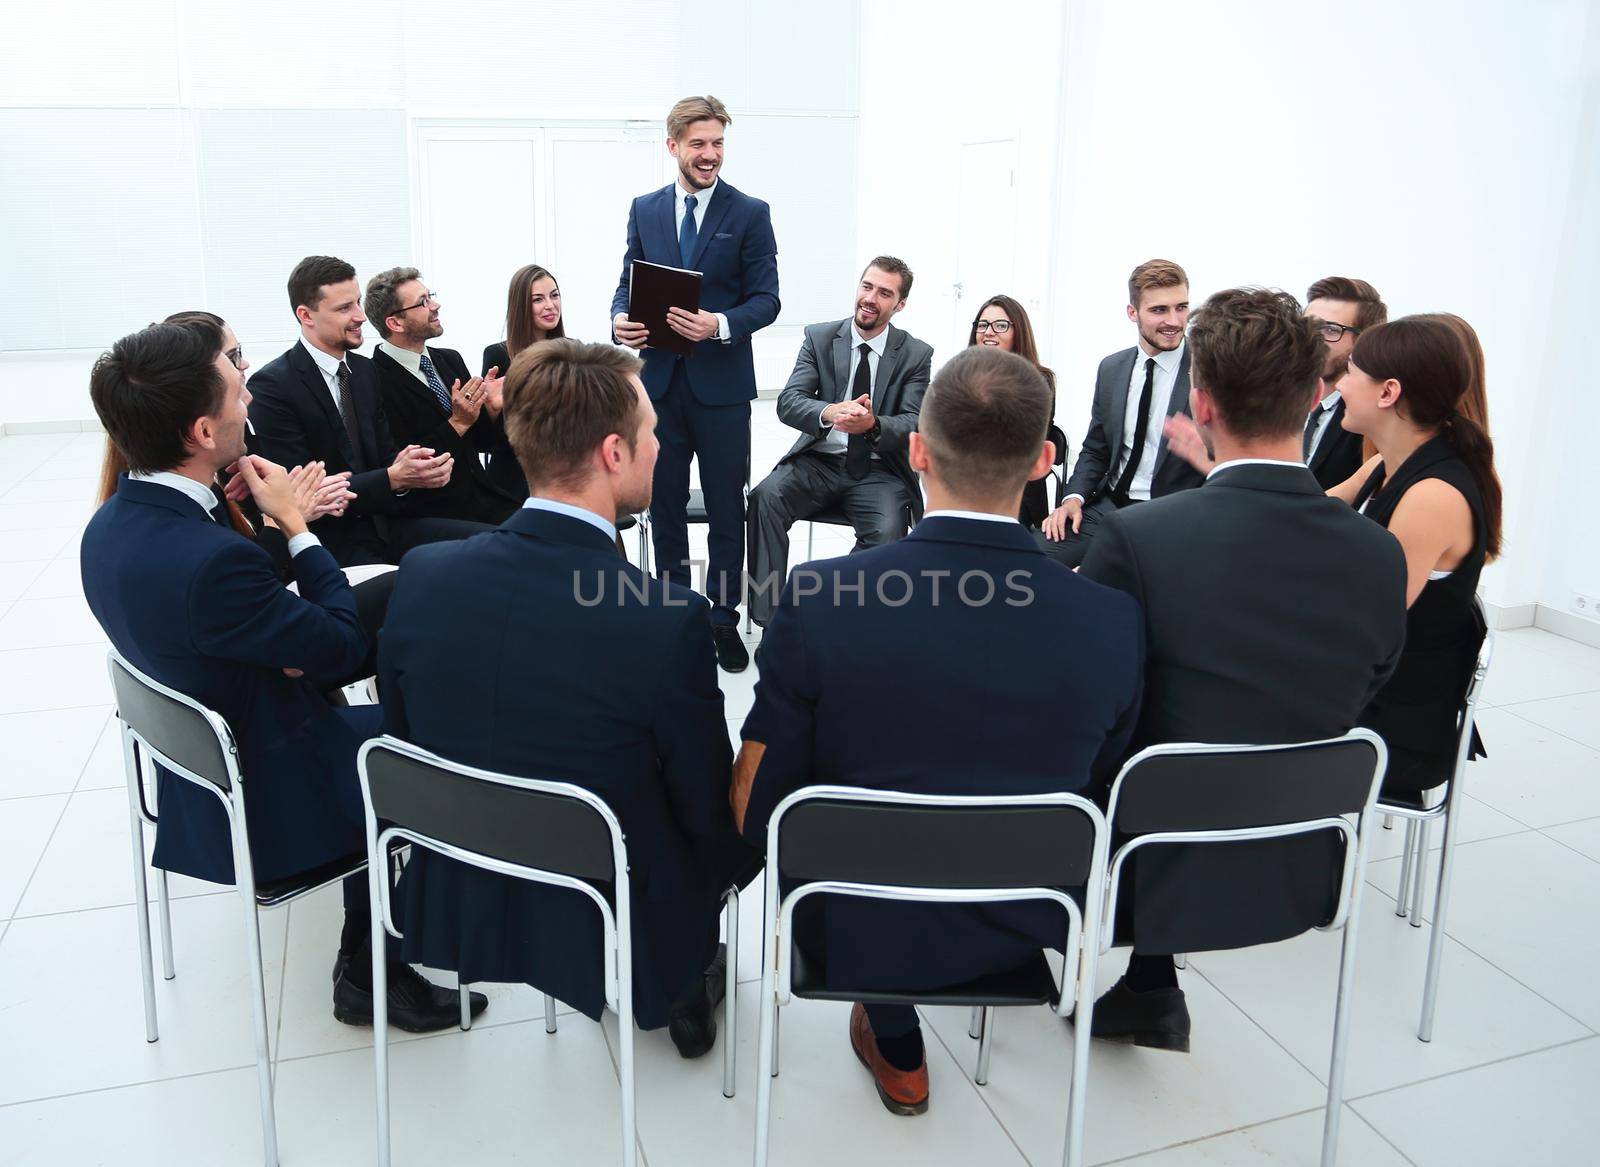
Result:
x=536 y=650
x=200 y=608
x=854 y=395
x=1270 y=617
x=958 y=660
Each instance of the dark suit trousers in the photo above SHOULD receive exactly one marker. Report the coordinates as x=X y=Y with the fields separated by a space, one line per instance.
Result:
x=719 y=436
x=810 y=482
x=364 y=545
x=1074 y=547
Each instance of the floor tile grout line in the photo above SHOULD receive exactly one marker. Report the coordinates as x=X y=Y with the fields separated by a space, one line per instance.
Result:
x=1569 y=846
x=127 y=1085
x=1511 y=709
x=283 y=990
x=1268 y=1034
x=1366 y=1122
x=975 y=1088
x=1470 y=1069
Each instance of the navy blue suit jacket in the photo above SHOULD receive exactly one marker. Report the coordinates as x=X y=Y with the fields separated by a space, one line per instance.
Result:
x=203 y=610
x=737 y=253
x=1035 y=691
x=528 y=651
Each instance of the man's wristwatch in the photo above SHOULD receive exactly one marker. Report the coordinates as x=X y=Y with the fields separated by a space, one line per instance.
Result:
x=877 y=428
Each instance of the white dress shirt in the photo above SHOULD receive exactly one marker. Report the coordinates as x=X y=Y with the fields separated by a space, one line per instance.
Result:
x=207 y=502
x=409 y=361
x=702 y=200
x=1220 y=466
x=329 y=367
x=986 y=516
x=1166 y=374
x=1326 y=405
x=834 y=442
x=572 y=512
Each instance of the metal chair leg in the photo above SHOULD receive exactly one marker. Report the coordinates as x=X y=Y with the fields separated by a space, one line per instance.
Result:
x=1388 y=822
x=165 y=909
x=985 y=1045
x=549 y=1013
x=1403 y=892
x=1341 y=1026
x=141 y=909
x=811 y=541
x=975 y=1023
x=766 y=1056
x=1180 y=959
x=466 y=1002
x=258 y=1006
x=730 y=1008
x=630 y=1133
x=380 y=1010
x=1418 y=900
x=1441 y=903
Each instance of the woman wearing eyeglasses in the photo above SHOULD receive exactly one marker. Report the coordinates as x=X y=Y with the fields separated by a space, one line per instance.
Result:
x=533 y=313
x=1002 y=323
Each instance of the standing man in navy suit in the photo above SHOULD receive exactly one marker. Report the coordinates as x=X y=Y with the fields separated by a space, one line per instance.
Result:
x=703 y=402
x=968 y=606
x=189 y=601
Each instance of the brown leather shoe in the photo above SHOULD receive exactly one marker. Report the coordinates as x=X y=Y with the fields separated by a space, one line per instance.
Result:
x=902 y=1091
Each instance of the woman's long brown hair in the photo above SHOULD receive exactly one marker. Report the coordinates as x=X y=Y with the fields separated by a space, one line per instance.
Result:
x=521 y=327
x=1025 y=346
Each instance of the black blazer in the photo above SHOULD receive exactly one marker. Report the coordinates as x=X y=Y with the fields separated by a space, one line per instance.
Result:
x=297 y=421
x=1270 y=616
x=579 y=681
x=1102 y=443
x=1338 y=455
x=504 y=470
x=825 y=663
x=821 y=377
x=415 y=418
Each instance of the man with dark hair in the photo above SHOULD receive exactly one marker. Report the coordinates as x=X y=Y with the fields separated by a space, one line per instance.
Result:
x=200 y=608
x=965 y=595
x=1272 y=614
x=595 y=675
x=319 y=402
x=854 y=395
x=1344 y=309
x=1124 y=458
x=703 y=403
x=432 y=400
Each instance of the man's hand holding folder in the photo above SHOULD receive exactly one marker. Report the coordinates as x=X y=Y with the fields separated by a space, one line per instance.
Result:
x=663 y=310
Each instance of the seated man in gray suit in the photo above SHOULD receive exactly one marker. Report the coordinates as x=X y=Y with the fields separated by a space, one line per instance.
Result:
x=854 y=396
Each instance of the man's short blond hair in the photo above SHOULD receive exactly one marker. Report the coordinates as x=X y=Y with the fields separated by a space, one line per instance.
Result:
x=1153 y=274
x=695 y=109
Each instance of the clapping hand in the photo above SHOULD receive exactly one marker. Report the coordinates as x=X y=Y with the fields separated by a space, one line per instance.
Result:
x=851 y=417
x=1185 y=440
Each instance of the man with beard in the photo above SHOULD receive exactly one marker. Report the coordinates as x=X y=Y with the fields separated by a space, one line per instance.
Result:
x=1346 y=308
x=319 y=402
x=1124 y=459
x=595 y=675
x=432 y=400
x=703 y=403
x=854 y=396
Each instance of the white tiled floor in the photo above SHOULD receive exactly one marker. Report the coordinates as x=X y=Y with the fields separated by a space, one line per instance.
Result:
x=1509 y=1078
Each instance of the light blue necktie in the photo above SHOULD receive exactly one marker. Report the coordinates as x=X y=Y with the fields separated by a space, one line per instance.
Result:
x=434 y=383
x=688 y=232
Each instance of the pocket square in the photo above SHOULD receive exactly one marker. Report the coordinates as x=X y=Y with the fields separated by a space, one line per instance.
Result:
x=723 y=235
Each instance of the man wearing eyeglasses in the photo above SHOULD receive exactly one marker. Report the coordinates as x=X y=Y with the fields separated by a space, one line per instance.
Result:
x=1346 y=307
x=432 y=399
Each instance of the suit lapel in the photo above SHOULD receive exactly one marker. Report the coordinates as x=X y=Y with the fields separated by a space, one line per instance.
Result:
x=1325 y=446
x=887 y=365
x=318 y=388
x=721 y=201
x=1122 y=371
x=663 y=214
x=1177 y=403
x=841 y=361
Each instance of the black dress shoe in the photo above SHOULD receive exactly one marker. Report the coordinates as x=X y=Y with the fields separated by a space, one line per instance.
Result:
x=415 y=1005
x=1156 y=1018
x=693 y=1022
x=731 y=652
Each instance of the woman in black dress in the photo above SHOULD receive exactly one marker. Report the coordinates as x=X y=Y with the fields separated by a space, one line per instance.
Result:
x=533 y=313
x=1002 y=323
x=1432 y=483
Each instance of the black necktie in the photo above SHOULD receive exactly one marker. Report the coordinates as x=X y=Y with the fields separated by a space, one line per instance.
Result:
x=858 y=450
x=1309 y=441
x=347 y=412
x=1140 y=427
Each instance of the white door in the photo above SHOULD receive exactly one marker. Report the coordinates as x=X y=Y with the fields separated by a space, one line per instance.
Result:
x=986 y=229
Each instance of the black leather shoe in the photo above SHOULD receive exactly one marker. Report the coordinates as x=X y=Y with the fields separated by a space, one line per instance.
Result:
x=693 y=1023
x=1156 y=1019
x=731 y=652
x=415 y=1005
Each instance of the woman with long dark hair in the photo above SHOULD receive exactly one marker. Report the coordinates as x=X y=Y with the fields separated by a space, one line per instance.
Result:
x=1433 y=485
x=533 y=313
x=1002 y=323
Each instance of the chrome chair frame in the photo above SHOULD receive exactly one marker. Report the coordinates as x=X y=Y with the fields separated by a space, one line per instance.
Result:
x=615 y=922
x=135 y=744
x=1358 y=839
x=1080 y=955
x=1410 y=895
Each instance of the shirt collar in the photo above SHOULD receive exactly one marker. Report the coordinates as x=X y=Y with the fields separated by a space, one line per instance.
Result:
x=404 y=357
x=1221 y=466
x=985 y=516
x=702 y=198
x=201 y=494
x=1167 y=361
x=572 y=512
x=1331 y=399
x=328 y=365
x=877 y=344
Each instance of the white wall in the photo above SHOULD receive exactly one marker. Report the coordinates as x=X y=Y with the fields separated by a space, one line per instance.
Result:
x=166 y=154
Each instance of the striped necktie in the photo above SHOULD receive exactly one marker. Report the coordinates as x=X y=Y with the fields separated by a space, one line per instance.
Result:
x=440 y=393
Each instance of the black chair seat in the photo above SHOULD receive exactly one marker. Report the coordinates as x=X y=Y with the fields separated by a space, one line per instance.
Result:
x=696 y=510
x=1032 y=984
x=1420 y=800
x=270 y=893
x=627 y=523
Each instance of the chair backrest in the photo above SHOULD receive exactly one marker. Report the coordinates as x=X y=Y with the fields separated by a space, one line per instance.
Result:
x=1189 y=787
x=905 y=840
x=547 y=826
x=179 y=728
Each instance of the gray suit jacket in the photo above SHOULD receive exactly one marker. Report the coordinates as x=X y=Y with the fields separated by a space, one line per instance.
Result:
x=822 y=376
x=1102 y=444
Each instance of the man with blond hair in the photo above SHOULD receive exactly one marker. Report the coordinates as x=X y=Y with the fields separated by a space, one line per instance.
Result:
x=703 y=401
x=1124 y=458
